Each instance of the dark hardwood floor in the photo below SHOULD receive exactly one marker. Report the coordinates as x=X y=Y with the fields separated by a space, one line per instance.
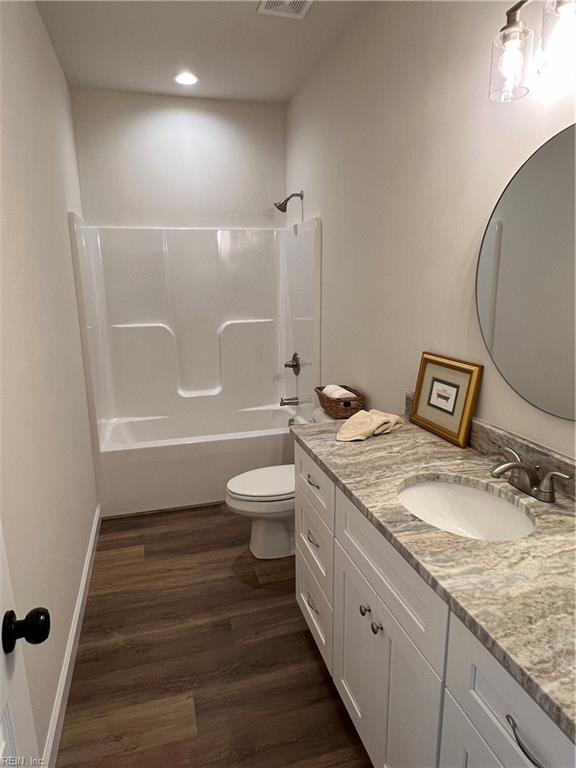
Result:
x=194 y=654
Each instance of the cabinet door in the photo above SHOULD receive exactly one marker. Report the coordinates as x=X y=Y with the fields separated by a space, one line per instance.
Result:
x=413 y=697
x=391 y=692
x=361 y=682
x=417 y=608
x=462 y=745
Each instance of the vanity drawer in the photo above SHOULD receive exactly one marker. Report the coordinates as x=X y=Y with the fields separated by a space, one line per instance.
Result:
x=462 y=745
x=418 y=609
x=316 y=485
x=316 y=544
x=487 y=693
x=315 y=607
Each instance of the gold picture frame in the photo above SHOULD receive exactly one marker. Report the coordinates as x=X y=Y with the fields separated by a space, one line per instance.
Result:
x=446 y=396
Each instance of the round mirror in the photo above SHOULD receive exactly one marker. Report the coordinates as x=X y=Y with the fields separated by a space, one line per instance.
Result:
x=525 y=279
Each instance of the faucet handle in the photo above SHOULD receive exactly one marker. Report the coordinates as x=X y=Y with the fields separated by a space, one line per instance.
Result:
x=546 y=490
x=294 y=363
x=512 y=452
x=547 y=482
x=517 y=457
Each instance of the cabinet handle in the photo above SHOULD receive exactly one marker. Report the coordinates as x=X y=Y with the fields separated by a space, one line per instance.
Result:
x=311 y=604
x=364 y=609
x=376 y=627
x=312 y=483
x=312 y=540
x=524 y=749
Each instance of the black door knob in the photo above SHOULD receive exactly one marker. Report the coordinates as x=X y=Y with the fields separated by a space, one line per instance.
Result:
x=35 y=628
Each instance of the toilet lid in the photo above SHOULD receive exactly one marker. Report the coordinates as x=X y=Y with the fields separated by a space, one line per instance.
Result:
x=265 y=484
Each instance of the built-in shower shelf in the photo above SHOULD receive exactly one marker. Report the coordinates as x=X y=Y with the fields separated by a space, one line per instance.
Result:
x=146 y=325
x=219 y=341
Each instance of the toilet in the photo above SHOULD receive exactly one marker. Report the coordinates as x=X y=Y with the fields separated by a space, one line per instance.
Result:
x=266 y=496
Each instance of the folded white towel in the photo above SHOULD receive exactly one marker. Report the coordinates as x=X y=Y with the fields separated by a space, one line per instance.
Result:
x=335 y=391
x=364 y=424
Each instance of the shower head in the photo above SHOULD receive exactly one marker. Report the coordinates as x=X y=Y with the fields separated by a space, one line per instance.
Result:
x=282 y=205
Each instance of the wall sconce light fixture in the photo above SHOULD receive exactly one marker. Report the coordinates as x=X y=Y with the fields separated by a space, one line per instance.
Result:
x=513 y=68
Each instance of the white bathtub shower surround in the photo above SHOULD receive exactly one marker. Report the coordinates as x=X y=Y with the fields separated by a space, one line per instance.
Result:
x=188 y=331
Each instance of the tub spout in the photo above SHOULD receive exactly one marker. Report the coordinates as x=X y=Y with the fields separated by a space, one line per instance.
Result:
x=289 y=401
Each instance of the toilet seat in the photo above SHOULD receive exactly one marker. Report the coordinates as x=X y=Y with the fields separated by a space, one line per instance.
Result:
x=261 y=509
x=267 y=484
x=258 y=499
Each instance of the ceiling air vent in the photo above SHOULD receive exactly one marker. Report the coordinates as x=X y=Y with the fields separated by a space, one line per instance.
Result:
x=289 y=9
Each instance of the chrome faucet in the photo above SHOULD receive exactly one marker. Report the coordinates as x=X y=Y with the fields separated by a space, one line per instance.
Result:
x=526 y=478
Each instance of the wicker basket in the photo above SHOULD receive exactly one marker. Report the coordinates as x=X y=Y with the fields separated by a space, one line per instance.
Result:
x=341 y=408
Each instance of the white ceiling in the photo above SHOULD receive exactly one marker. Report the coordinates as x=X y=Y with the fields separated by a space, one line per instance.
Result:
x=236 y=53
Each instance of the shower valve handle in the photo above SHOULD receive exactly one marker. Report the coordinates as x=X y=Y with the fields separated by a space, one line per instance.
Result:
x=294 y=364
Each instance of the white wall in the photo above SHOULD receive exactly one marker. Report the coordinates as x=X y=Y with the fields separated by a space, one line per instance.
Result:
x=169 y=161
x=403 y=156
x=48 y=496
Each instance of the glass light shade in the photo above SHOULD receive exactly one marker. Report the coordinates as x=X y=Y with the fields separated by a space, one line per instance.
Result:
x=557 y=59
x=511 y=57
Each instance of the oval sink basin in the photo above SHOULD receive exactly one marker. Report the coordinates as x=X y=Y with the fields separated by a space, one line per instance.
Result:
x=466 y=511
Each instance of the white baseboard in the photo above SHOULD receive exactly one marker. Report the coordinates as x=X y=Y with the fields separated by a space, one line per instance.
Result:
x=59 y=710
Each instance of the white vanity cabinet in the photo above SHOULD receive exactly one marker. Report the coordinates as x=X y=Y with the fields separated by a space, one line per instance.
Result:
x=380 y=629
x=390 y=691
x=421 y=690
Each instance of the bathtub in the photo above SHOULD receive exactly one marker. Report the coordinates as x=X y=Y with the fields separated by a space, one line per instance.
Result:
x=160 y=463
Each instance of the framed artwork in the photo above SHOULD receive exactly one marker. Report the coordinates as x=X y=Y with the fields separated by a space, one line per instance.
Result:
x=445 y=397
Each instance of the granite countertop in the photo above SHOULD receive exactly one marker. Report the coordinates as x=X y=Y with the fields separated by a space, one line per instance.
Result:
x=517 y=597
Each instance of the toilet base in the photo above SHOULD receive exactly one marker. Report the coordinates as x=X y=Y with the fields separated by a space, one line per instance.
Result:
x=272 y=539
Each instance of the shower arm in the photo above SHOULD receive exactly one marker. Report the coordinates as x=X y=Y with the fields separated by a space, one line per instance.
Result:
x=295 y=194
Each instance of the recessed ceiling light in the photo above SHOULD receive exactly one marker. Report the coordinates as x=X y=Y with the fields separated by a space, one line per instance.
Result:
x=185 y=78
